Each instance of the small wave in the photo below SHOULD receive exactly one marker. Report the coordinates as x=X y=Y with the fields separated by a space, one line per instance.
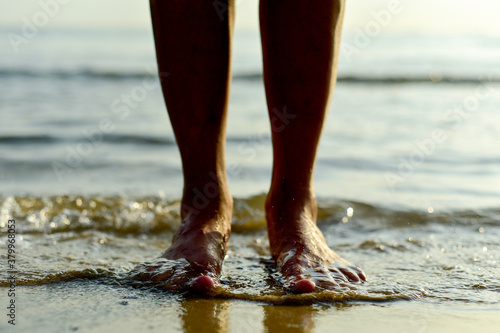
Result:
x=73 y=74
x=28 y=139
x=41 y=278
x=274 y=294
x=113 y=138
x=414 y=79
x=103 y=74
x=408 y=254
x=154 y=215
x=401 y=79
x=137 y=139
x=313 y=298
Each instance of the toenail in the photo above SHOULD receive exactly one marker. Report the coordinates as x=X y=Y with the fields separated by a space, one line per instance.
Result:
x=304 y=286
x=204 y=283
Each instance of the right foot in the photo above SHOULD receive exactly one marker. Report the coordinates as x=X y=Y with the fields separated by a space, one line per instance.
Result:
x=194 y=260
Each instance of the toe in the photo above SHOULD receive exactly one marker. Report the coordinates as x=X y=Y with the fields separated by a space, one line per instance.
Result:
x=303 y=286
x=328 y=284
x=361 y=274
x=203 y=284
x=349 y=274
x=337 y=275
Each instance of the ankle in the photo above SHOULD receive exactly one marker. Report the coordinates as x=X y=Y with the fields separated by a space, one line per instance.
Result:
x=205 y=199
x=292 y=198
x=290 y=214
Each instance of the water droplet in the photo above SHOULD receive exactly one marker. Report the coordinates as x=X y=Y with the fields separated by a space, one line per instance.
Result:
x=350 y=211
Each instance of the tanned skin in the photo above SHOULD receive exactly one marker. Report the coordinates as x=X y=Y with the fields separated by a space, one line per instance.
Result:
x=300 y=44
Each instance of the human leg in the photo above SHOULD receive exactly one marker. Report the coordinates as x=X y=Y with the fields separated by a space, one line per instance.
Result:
x=193 y=45
x=300 y=42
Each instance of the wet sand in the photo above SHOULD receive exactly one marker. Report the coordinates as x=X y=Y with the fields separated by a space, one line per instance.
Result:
x=86 y=306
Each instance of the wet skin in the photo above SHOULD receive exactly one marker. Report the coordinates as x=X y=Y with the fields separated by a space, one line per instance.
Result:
x=299 y=248
x=194 y=259
x=300 y=45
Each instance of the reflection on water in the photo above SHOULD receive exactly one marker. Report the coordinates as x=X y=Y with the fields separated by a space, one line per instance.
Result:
x=212 y=315
x=95 y=306
x=202 y=315
x=289 y=319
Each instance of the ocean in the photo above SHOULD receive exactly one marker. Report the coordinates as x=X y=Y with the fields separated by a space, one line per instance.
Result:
x=407 y=180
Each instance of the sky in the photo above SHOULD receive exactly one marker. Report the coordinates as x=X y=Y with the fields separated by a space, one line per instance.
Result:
x=411 y=16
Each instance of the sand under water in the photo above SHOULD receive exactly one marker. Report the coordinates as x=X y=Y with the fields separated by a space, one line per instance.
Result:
x=428 y=271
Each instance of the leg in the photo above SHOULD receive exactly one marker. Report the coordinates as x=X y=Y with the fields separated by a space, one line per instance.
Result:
x=193 y=46
x=300 y=43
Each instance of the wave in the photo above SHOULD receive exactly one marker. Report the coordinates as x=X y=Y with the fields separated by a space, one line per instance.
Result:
x=31 y=139
x=145 y=215
x=89 y=241
x=273 y=294
x=101 y=74
x=112 y=138
x=72 y=74
x=270 y=292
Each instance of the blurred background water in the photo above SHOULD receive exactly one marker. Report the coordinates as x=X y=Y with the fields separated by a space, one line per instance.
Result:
x=407 y=173
x=394 y=91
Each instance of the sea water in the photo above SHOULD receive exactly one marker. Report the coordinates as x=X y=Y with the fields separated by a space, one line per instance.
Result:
x=407 y=180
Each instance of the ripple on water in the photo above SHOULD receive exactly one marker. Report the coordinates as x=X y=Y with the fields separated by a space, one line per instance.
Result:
x=447 y=256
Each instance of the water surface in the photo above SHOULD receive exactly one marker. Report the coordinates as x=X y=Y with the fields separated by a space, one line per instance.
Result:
x=420 y=215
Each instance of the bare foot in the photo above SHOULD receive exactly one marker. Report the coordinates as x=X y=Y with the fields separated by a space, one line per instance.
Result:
x=194 y=260
x=299 y=248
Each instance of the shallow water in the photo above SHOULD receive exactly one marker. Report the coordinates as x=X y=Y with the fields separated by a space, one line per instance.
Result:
x=429 y=242
x=91 y=307
x=75 y=253
x=443 y=256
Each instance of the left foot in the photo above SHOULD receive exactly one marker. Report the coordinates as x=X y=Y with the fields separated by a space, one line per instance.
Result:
x=299 y=248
